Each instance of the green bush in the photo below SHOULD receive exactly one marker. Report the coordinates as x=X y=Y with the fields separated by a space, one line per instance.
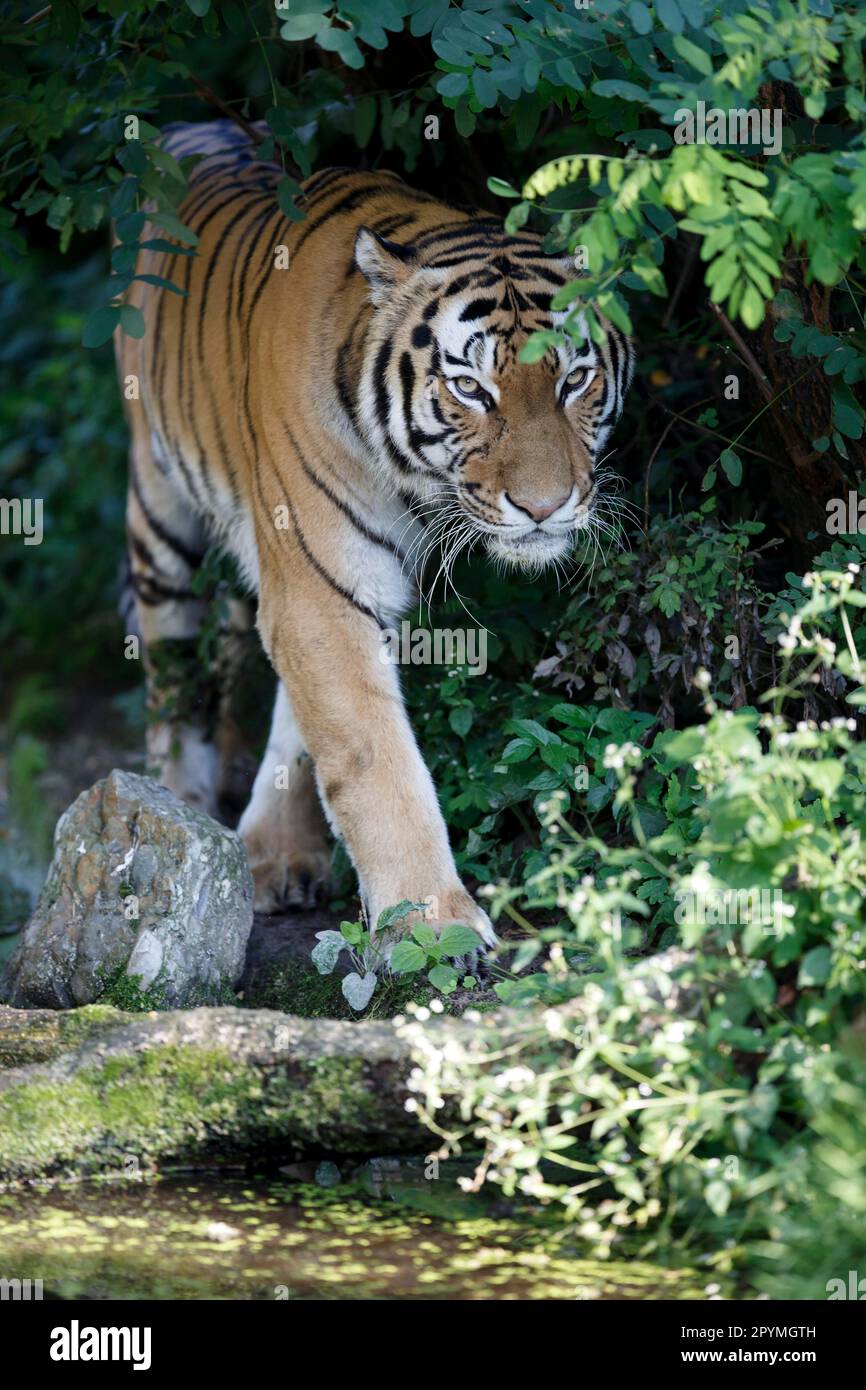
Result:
x=676 y=1092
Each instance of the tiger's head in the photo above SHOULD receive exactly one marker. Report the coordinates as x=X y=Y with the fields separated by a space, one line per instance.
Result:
x=510 y=449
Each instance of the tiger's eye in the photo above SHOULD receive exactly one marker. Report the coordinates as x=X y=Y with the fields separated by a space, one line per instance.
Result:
x=577 y=377
x=468 y=385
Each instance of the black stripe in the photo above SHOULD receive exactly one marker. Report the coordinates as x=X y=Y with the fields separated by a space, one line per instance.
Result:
x=477 y=309
x=613 y=349
x=329 y=578
x=465 y=282
x=277 y=216
x=382 y=402
x=191 y=557
x=186 y=398
x=254 y=234
x=342 y=381
x=454 y=231
x=338 y=502
x=152 y=593
x=346 y=204
x=212 y=265
x=318 y=181
x=407 y=381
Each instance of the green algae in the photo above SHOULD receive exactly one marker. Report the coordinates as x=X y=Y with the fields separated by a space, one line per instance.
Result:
x=274 y=1241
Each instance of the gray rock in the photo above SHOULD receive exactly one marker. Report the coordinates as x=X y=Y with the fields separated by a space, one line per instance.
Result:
x=145 y=896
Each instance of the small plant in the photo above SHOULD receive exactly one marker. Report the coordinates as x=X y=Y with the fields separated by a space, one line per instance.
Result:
x=431 y=953
x=424 y=952
x=358 y=986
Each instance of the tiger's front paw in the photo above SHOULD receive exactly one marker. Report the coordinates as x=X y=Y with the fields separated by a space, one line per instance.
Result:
x=453 y=905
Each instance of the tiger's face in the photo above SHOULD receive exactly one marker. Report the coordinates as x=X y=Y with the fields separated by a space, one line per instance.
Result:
x=509 y=449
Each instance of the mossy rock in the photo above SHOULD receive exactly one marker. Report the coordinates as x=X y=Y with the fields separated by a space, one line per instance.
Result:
x=201 y=1086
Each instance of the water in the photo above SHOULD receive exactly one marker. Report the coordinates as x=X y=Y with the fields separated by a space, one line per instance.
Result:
x=185 y=1238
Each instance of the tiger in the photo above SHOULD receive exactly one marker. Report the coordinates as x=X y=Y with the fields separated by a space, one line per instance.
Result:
x=328 y=397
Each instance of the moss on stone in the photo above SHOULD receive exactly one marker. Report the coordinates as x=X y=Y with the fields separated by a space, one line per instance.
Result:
x=76 y=1026
x=40 y=1035
x=123 y=991
x=182 y=1103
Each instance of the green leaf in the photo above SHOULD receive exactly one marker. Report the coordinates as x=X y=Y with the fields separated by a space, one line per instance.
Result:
x=456 y=940
x=302 y=26
x=825 y=775
x=825 y=265
x=444 y=978
x=614 y=87
x=287 y=191
x=668 y=11
x=407 y=958
x=718 y=1197
x=357 y=990
x=364 y=120
x=325 y=955
x=162 y=283
x=199 y=7
x=501 y=188
x=397 y=913
x=424 y=934
x=751 y=307
x=539 y=343
x=453 y=84
x=696 y=57
x=732 y=466
x=132 y=320
x=641 y=19
x=517 y=217
x=173 y=226
x=814 y=967
x=848 y=418
x=100 y=326
x=460 y=720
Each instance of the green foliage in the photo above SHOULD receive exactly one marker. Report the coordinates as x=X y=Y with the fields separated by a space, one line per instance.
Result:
x=699 y=1068
x=28 y=760
x=426 y=952
x=423 y=951
x=63 y=443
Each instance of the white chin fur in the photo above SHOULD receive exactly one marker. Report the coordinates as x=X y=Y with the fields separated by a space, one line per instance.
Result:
x=531 y=553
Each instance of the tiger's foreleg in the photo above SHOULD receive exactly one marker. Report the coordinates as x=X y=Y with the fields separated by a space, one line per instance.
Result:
x=372 y=779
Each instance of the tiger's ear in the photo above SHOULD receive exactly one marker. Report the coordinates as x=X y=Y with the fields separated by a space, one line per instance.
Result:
x=384 y=264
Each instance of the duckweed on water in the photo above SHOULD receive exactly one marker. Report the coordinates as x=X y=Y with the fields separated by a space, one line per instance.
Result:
x=171 y=1239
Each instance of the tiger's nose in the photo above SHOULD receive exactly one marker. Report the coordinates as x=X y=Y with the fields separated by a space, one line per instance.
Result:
x=539 y=508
